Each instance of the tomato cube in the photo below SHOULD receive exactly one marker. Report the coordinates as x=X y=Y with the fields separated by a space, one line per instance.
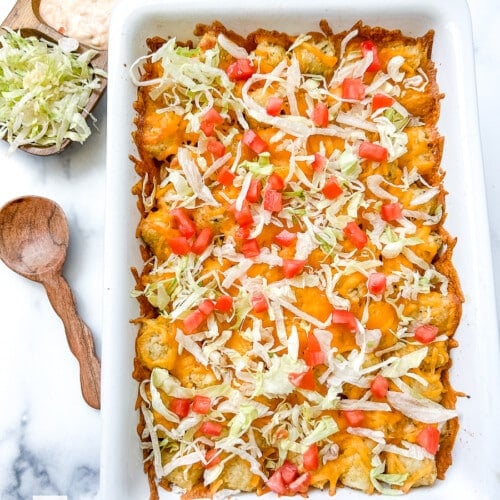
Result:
x=331 y=189
x=354 y=417
x=344 y=318
x=303 y=380
x=206 y=306
x=241 y=69
x=377 y=283
x=320 y=115
x=202 y=404
x=426 y=333
x=310 y=458
x=193 y=321
x=180 y=406
x=274 y=105
x=381 y=101
x=292 y=267
x=202 y=241
x=391 y=211
x=179 y=245
x=428 y=438
x=273 y=200
x=369 y=47
x=259 y=302
x=254 y=141
x=224 y=303
x=353 y=89
x=371 y=151
x=210 y=428
x=285 y=238
x=185 y=224
x=355 y=235
x=379 y=386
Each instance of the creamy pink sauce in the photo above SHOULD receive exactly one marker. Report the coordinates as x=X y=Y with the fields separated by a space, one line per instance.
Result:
x=85 y=20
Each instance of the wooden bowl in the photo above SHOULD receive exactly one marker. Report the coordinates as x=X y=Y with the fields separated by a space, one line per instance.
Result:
x=25 y=17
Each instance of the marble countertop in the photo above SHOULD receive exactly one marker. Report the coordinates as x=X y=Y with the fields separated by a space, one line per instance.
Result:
x=49 y=437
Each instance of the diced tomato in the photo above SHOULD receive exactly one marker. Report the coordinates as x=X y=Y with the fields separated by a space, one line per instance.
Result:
x=353 y=89
x=212 y=457
x=428 y=438
x=224 y=303
x=379 y=386
x=275 y=483
x=180 y=406
x=207 y=128
x=313 y=343
x=319 y=162
x=426 y=333
x=242 y=233
x=344 y=318
x=366 y=47
x=288 y=471
x=185 y=224
x=211 y=118
x=259 y=302
x=303 y=380
x=332 y=189
x=372 y=151
x=313 y=355
x=301 y=484
x=355 y=235
x=314 y=358
x=354 y=417
x=206 y=306
x=285 y=238
x=244 y=216
x=179 y=245
x=254 y=141
x=274 y=105
x=391 y=211
x=210 y=428
x=381 y=101
x=320 y=114
x=202 y=241
x=292 y=267
x=216 y=147
x=250 y=248
x=275 y=182
x=377 y=283
x=253 y=193
x=202 y=404
x=310 y=458
x=273 y=200
x=225 y=176
x=193 y=321
x=242 y=69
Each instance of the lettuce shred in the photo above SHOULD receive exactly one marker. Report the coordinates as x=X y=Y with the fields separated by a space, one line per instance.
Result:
x=43 y=91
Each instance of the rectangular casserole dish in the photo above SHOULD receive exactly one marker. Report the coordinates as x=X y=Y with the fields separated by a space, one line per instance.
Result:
x=476 y=467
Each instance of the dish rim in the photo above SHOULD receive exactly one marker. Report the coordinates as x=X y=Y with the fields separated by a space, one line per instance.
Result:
x=453 y=20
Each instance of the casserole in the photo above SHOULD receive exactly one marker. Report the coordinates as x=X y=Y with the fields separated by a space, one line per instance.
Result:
x=122 y=475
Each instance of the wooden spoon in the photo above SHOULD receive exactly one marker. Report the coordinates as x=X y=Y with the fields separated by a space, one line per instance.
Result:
x=34 y=237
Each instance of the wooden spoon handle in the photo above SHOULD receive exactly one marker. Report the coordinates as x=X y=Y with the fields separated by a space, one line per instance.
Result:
x=79 y=337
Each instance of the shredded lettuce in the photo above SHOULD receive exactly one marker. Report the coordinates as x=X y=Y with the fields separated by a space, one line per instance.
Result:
x=43 y=91
x=377 y=477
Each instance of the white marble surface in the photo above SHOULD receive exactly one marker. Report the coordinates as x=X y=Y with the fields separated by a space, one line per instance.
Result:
x=49 y=438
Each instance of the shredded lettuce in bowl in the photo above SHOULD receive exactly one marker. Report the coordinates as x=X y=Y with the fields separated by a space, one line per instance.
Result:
x=43 y=91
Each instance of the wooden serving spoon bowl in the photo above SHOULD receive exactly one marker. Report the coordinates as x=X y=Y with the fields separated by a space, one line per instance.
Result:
x=25 y=17
x=34 y=238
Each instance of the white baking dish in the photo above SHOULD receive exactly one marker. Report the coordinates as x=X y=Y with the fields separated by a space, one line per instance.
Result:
x=476 y=469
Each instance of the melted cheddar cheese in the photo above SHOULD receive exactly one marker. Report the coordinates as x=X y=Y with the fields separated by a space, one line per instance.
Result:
x=298 y=300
